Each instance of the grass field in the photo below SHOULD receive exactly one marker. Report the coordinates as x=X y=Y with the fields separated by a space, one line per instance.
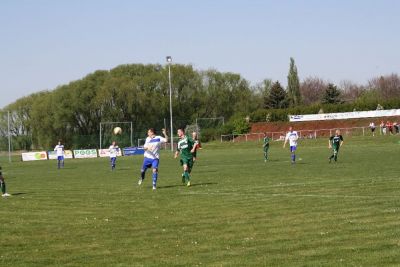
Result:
x=240 y=211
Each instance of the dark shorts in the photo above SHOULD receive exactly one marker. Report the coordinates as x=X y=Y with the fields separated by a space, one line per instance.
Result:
x=60 y=158
x=188 y=162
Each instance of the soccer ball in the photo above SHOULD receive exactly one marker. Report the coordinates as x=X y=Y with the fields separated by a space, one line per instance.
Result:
x=117 y=130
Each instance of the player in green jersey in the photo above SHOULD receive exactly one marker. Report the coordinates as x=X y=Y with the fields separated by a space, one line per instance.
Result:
x=335 y=142
x=265 y=146
x=185 y=149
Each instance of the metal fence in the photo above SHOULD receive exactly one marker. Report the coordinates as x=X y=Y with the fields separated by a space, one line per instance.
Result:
x=305 y=134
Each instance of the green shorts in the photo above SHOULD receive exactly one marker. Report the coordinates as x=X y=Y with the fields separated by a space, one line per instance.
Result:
x=188 y=162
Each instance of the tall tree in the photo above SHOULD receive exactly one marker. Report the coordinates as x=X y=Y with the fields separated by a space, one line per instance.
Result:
x=277 y=97
x=332 y=95
x=293 y=88
x=312 y=90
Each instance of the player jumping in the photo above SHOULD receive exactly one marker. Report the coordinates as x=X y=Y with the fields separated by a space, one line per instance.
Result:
x=292 y=136
x=335 y=142
x=152 y=154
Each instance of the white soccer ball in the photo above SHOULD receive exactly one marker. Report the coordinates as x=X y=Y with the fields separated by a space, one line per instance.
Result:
x=117 y=130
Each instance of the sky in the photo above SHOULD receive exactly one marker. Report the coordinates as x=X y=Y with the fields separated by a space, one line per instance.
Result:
x=47 y=43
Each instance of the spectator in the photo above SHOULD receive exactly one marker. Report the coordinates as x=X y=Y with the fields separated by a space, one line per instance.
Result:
x=396 y=127
x=389 y=127
x=372 y=127
x=383 y=128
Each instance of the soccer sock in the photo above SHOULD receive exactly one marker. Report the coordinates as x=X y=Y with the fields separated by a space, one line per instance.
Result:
x=3 y=187
x=293 y=157
x=142 y=174
x=155 y=175
x=187 y=176
x=58 y=164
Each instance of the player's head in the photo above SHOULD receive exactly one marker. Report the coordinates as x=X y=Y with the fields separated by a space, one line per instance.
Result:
x=114 y=143
x=337 y=131
x=265 y=134
x=290 y=128
x=194 y=135
x=181 y=132
x=59 y=142
x=151 y=132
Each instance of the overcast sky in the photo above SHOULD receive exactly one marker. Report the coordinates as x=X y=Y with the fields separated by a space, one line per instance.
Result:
x=49 y=43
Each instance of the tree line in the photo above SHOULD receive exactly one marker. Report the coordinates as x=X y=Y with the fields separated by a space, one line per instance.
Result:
x=140 y=93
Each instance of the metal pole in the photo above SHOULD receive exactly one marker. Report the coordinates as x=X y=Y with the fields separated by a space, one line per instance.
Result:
x=131 y=134
x=100 y=136
x=9 y=137
x=170 y=106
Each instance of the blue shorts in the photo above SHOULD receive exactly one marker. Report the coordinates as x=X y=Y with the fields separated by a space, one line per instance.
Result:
x=60 y=158
x=293 y=148
x=147 y=163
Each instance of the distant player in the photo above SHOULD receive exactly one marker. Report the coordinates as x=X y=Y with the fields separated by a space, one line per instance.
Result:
x=196 y=145
x=372 y=127
x=3 y=186
x=292 y=136
x=113 y=150
x=185 y=149
x=265 y=146
x=60 y=154
x=152 y=147
x=335 y=142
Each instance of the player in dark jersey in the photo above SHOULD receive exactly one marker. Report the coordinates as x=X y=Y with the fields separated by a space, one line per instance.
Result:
x=335 y=142
x=265 y=146
x=185 y=150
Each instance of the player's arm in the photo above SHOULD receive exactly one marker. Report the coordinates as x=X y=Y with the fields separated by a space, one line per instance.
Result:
x=164 y=132
x=329 y=143
x=176 y=154
x=286 y=139
x=341 y=141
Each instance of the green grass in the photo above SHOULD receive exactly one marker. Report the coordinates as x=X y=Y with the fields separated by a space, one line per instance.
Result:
x=240 y=211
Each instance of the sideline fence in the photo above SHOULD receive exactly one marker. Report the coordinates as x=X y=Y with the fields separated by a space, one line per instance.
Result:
x=303 y=134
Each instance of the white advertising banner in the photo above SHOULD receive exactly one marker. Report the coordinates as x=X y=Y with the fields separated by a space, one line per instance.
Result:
x=345 y=115
x=85 y=153
x=106 y=153
x=67 y=154
x=29 y=156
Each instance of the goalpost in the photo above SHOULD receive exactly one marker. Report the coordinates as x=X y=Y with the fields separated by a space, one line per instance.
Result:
x=112 y=124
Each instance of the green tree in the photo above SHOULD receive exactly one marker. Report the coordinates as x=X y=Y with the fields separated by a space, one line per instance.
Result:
x=332 y=95
x=293 y=89
x=277 y=97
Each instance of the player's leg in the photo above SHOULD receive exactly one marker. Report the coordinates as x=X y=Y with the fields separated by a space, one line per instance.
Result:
x=58 y=162
x=3 y=187
x=113 y=161
x=335 y=153
x=266 y=153
x=62 y=162
x=145 y=166
x=293 y=153
x=154 y=165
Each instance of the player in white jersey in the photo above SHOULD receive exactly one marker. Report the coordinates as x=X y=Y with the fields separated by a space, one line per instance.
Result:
x=113 y=150
x=292 y=137
x=59 y=148
x=152 y=154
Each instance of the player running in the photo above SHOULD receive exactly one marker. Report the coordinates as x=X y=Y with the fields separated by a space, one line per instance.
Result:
x=335 y=142
x=3 y=186
x=292 y=136
x=151 y=159
x=185 y=149
x=113 y=150
x=59 y=148
x=265 y=146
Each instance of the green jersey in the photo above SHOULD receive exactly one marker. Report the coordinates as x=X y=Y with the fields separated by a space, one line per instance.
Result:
x=266 y=141
x=335 y=140
x=185 y=145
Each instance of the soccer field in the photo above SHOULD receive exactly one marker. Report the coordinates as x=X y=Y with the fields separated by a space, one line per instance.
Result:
x=240 y=211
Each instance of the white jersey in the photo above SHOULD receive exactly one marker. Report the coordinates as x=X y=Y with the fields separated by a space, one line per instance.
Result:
x=59 y=150
x=153 y=146
x=113 y=151
x=292 y=137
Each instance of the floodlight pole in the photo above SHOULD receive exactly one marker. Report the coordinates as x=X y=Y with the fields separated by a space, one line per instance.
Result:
x=9 y=137
x=169 y=60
